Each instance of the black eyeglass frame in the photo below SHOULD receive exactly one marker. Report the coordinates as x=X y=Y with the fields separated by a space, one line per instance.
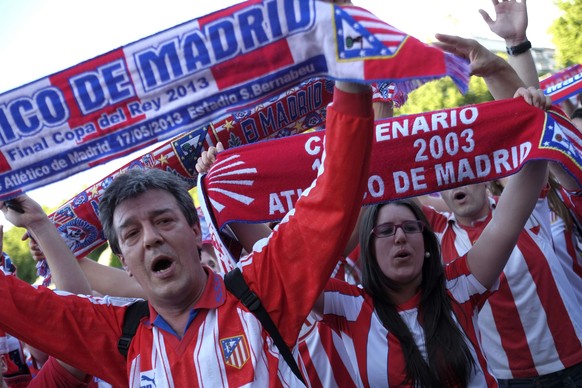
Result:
x=421 y=226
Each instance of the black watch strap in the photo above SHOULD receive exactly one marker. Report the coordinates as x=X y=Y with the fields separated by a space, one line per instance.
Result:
x=519 y=49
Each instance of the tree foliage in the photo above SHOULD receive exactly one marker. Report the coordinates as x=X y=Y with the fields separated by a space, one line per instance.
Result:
x=567 y=33
x=20 y=254
x=96 y=253
x=443 y=94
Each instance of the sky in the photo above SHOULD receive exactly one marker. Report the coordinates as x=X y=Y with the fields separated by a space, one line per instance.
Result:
x=42 y=37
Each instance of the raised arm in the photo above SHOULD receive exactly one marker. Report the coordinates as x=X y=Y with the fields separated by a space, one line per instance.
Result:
x=65 y=272
x=565 y=180
x=46 y=241
x=289 y=269
x=490 y=253
x=382 y=110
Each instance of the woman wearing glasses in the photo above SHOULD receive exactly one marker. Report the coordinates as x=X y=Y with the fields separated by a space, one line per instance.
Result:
x=413 y=320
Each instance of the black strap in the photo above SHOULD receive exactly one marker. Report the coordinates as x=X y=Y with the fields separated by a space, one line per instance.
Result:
x=236 y=284
x=134 y=313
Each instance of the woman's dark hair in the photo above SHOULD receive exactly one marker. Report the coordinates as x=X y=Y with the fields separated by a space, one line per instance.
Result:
x=557 y=204
x=449 y=359
x=134 y=182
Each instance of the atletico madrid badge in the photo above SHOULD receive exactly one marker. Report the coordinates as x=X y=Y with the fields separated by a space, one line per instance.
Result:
x=235 y=351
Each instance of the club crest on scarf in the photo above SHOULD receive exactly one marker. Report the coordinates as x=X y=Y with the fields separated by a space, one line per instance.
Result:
x=560 y=138
x=62 y=215
x=188 y=148
x=235 y=351
x=361 y=34
x=78 y=234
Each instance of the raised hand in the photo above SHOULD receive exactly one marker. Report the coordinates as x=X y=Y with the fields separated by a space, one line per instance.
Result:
x=23 y=211
x=535 y=97
x=35 y=251
x=483 y=62
x=510 y=20
x=207 y=158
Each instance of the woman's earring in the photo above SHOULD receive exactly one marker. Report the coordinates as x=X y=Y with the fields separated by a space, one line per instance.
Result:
x=426 y=255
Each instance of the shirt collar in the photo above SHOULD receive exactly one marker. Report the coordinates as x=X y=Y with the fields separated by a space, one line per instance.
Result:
x=411 y=303
x=213 y=296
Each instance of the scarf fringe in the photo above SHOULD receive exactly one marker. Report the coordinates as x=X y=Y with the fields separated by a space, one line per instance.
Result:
x=397 y=92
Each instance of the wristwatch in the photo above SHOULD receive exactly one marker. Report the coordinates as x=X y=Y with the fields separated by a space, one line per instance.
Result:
x=519 y=49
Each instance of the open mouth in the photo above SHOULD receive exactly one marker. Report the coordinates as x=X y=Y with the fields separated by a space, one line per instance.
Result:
x=459 y=196
x=161 y=265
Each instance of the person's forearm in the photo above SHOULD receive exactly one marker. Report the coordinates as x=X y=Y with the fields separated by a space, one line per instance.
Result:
x=490 y=253
x=351 y=87
x=523 y=63
x=109 y=280
x=383 y=110
x=524 y=186
x=248 y=234
x=525 y=67
x=566 y=180
x=502 y=81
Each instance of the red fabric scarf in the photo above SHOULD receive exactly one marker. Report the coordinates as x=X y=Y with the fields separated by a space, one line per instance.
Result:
x=412 y=155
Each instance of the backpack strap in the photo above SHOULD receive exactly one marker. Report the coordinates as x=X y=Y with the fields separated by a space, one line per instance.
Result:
x=133 y=315
x=236 y=284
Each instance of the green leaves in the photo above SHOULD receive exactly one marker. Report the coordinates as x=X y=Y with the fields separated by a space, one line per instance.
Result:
x=567 y=33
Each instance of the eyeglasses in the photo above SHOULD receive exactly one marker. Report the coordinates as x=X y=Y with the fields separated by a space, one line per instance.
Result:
x=389 y=228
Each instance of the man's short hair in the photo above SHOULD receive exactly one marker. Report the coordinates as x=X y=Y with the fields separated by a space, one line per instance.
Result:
x=134 y=182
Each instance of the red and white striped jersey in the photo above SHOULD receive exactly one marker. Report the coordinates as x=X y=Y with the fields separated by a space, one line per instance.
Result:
x=326 y=364
x=533 y=324
x=568 y=243
x=375 y=353
x=223 y=346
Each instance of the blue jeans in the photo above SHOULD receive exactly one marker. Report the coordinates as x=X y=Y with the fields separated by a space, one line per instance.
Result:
x=566 y=378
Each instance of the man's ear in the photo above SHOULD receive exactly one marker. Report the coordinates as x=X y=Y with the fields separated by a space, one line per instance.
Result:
x=198 y=233
x=124 y=264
